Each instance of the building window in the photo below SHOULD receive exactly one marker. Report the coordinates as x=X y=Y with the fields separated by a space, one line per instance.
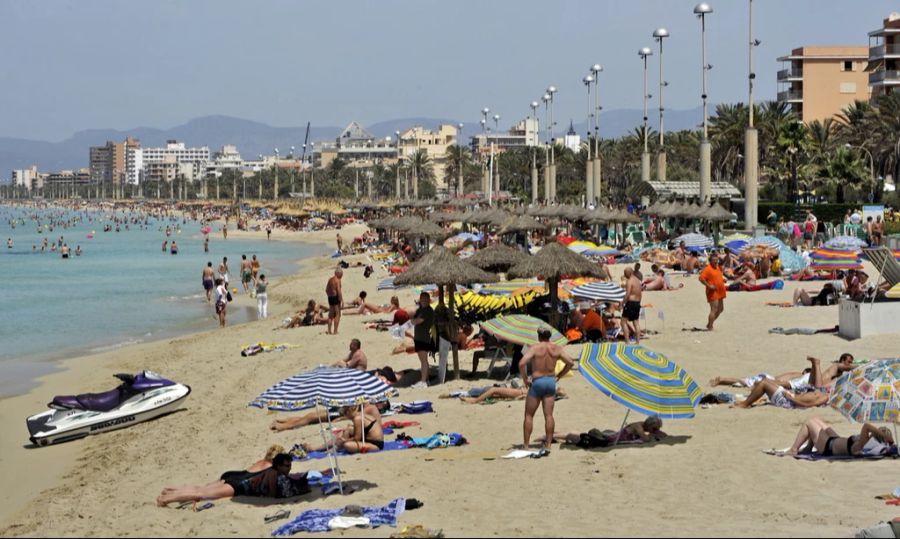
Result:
x=848 y=87
x=847 y=66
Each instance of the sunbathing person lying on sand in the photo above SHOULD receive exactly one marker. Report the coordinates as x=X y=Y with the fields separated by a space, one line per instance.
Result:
x=273 y=482
x=816 y=297
x=658 y=282
x=263 y=464
x=385 y=374
x=351 y=440
x=816 y=435
x=813 y=377
x=360 y=306
x=504 y=393
x=314 y=314
x=783 y=398
x=644 y=431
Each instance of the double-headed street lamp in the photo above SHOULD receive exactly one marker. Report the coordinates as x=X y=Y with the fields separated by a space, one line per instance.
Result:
x=275 y=168
x=644 y=53
x=751 y=139
x=702 y=10
x=460 y=189
x=547 y=187
x=598 y=172
x=551 y=91
x=660 y=34
x=534 y=174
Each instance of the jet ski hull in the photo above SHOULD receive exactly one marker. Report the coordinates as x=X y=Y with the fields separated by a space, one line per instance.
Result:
x=56 y=426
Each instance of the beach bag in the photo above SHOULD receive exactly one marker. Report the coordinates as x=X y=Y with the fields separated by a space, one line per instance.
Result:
x=416 y=407
x=228 y=296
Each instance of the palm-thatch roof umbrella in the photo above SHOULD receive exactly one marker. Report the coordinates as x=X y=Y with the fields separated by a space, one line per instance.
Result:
x=482 y=217
x=442 y=268
x=552 y=262
x=522 y=223
x=598 y=216
x=534 y=211
x=444 y=217
x=716 y=213
x=427 y=230
x=497 y=258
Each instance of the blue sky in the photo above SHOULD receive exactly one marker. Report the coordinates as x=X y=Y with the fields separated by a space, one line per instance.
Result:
x=69 y=65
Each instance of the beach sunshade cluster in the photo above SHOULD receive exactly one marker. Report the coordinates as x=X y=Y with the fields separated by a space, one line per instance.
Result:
x=640 y=379
x=553 y=261
x=601 y=291
x=869 y=393
x=325 y=386
x=829 y=259
x=497 y=257
x=441 y=267
x=520 y=329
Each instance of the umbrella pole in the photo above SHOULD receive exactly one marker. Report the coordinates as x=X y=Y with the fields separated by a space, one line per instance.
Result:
x=619 y=434
x=332 y=453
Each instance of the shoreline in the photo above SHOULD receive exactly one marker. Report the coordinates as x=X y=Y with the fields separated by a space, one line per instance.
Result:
x=77 y=375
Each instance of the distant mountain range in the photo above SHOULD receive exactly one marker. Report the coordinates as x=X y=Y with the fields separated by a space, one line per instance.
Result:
x=253 y=138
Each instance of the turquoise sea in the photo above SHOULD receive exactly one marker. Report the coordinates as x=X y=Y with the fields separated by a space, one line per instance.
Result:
x=122 y=290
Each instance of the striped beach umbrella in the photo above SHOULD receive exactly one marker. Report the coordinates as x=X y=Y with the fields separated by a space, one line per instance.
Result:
x=694 y=241
x=830 y=259
x=509 y=288
x=770 y=241
x=845 y=242
x=790 y=260
x=894 y=292
x=600 y=291
x=326 y=386
x=387 y=284
x=734 y=237
x=581 y=246
x=736 y=245
x=602 y=250
x=520 y=329
x=640 y=379
x=870 y=392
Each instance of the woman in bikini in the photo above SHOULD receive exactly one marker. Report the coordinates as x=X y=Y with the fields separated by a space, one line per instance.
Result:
x=816 y=435
x=367 y=422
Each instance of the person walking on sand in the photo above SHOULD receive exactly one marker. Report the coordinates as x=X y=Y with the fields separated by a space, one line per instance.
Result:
x=335 y=301
x=423 y=339
x=208 y=279
x=340 y=243
x=542 y=385
x=254 y=269
x=262 y=299
x=711 y=277
x=221 y=301
x=631 y=312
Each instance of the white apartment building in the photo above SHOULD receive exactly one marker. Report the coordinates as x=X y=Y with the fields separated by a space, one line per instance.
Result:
x=28 y=178
x=523 y=134
x=573 y=139
x=173 y=160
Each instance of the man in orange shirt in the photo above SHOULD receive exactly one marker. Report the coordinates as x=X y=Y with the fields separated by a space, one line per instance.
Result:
x=714 y=281
x=591 y=324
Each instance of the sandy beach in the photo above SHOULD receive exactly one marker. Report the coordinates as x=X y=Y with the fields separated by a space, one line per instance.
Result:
x=709 y=478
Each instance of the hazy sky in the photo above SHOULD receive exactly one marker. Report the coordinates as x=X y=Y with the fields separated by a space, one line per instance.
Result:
x=69 y=65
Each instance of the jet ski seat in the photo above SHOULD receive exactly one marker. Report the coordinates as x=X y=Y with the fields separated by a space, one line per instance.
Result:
x=94 y=402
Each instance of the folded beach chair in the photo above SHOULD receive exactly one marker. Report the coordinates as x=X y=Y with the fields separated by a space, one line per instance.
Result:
x=883 y=260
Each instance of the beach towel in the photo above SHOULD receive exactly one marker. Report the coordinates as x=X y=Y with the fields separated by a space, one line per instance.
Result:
x=435 y=441
x=779 y=304
x=415 y=407
x=774 y=285
x=803 y=331
x=816 y=456
x=519 y=454
x=388 y=446
x=316 y=520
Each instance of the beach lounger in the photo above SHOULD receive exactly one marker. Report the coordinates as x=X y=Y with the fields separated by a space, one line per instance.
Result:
x=883 y=260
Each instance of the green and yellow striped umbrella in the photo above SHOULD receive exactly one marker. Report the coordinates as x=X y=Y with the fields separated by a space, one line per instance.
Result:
x=520 y=329
x=640 y=379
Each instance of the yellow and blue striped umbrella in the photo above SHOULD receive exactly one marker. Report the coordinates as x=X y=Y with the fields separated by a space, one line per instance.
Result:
x=520 y=329
x=640 y=379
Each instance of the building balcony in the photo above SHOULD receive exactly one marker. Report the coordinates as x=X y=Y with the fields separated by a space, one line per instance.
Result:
x=884 y=78
x=790 y=97
x=880 y=52
x=786 y=75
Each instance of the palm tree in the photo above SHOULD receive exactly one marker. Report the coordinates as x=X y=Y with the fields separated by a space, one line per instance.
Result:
x=843 y=168
x=458 y=159
x=823 y=139
x=420 y=166
x=726 y=130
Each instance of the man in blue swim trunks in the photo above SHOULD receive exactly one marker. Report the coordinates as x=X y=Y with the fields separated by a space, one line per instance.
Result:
x=542 y=385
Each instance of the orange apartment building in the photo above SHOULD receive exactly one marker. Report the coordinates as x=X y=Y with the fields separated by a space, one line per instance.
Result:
x=819 y=82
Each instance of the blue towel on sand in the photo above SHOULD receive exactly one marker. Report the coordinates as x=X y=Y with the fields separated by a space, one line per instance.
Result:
x=316 y=520
x=388 y=446
x=816 y=456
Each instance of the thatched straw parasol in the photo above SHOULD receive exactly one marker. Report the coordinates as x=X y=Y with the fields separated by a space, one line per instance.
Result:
x=478 y=217
x=444 y=217
x=498 y=258
x=552 y=262
x=716 y=213
x=522 y=224
x=427 y=230
x=598 y=216
x=441 y=267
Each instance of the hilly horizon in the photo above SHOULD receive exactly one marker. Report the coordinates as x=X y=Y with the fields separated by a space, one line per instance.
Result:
x=253 y=138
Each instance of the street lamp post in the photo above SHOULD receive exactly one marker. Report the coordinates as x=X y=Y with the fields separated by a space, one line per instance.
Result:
x=597 y=165
x=534 y=172
x=588 y=163
x=551 y=91
x=461 y=188
x=312 y=170
x=645 y=157
x=495 y=168
x=547 y=186
x=701 y=10
x=399 y=164
x=261 y=167
x=485 y=180
x=275 y=168
x=293 y=185
x=660 y=34
x=751 y=140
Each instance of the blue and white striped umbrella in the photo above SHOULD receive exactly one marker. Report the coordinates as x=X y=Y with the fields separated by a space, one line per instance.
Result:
x=694 y=241
x=790 y=260
x=327 y=386
x=600 y=291
x=387 y=284
x=845 y=243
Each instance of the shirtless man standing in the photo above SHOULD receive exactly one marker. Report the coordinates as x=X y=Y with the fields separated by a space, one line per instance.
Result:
x=356 y=359
x=246 y=273
x=223 y=271
x=542 y=385
x=208 y=281
x=335 y=300
x=632 y=309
